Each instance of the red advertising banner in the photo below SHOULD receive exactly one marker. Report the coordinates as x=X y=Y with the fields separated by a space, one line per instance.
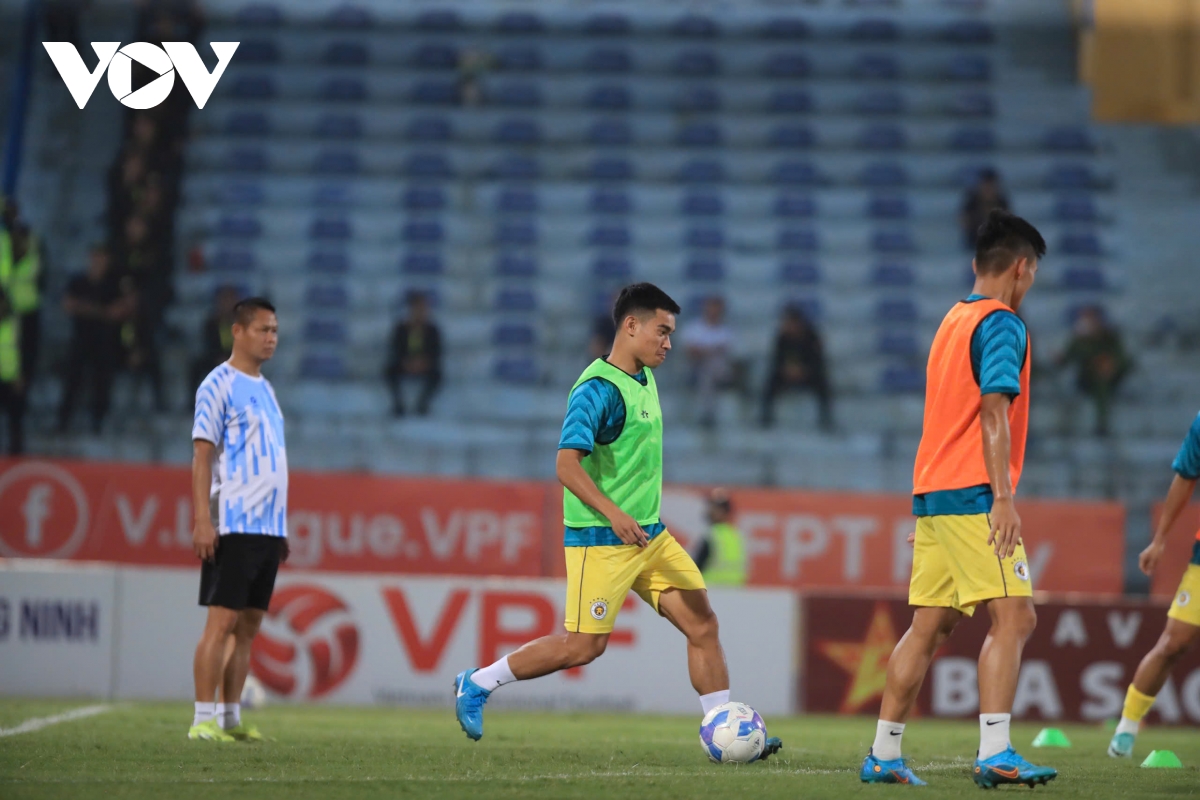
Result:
x=1076 y=666
x=345 y=523
x=1178 y=553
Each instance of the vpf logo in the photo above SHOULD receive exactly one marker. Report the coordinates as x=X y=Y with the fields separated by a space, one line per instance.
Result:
x=164 y=61
x=43 y=511
x=308 y=645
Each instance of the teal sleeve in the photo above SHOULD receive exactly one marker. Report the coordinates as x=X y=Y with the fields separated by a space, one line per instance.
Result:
x=998 y=353
x=1187 y=463
x=595 y=413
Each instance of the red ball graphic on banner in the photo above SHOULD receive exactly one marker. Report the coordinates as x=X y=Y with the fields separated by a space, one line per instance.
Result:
x=308 y=644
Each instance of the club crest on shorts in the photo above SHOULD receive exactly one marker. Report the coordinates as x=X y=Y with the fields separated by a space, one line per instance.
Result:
x=1021 y=569
x=599 y=609
x=1182 y=599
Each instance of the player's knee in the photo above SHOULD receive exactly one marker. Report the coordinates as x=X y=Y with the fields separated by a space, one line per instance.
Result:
x=586 y=649
x=705 y=629
x=221 y=622
x=1024 y=622
x=1174 y=647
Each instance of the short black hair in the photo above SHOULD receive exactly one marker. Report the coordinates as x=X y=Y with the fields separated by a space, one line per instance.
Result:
x=1002 y=239
x=244 y=310
x=641 y=297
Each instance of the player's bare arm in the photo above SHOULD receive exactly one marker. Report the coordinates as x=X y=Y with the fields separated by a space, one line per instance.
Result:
x=997 y=447
x=204 y=535
x=572 y=475
x=1178 y=496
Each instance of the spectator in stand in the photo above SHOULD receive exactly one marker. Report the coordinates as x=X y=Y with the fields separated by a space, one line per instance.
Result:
x=12 y=385
x=97 y=310
x=216 y=336
x=139 y=341
x=709 y=343
x=986 y=195
x=721 y=556
x=798 y=364
x=415 y=354
x=1099 y=358
x=23 y=278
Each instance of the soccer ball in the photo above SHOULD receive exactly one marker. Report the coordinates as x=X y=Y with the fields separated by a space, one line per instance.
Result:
x=254 y=694
x=733 y=733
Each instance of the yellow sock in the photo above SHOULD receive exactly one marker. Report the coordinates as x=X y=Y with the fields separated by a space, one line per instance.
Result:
x=1137 y=705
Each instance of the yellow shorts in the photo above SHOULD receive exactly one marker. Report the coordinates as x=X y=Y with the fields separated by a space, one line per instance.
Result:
x=1186 y=605
x=955 y=567
x=599 y=578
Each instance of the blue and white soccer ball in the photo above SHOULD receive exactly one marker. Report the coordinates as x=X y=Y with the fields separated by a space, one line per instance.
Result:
x=254 y=694
x=733 y=733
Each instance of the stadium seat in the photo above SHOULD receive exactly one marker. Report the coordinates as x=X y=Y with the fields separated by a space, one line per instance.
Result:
x=610 y=133
x=791 y=101
x=423 y=231
x=607 y=24
x=698 y=100
x=336 y=162
x=517 y=131
x=328 y=262
x=792 y=136
x=325 y=331
x=516 y=370
x=513 y=200
x=520 y=23
x=798 y=173
x=513 y=334
x=429 y=129
x=611 y=266
x=1070 y=176
x=785 y=28
x=611 y=168
x=876 y=66
x=1068 y=139
x=259 y=15
x=1084 y=278
x=438 y=21
x=879 y=102
x=346 y=54
x=608 y=59
x=246 y=159
x=873 y=30
x=974 y=139
x=697 y=203
x=696 y=63
x=331 y=194
x=239 y=226
x=800 y=272
x=810 y=307
x=327 y=296
x=892 y=274
x=258 y=51
x=516 y=232
x=968 y=67
x=323 y=366
x=348 y=16
x=707 y=236
x=518 y=58
x=888 y=206
x=516 y=95
x=896 y=310
x=611 y=97
x=253 y=87
x=515 y=265
x=339 y=126
x=248 y=123
x=1080 y=244
x=702 y=170
x=901 y=343
x=902 y=380
x=967 y=31
x=234 y=260
x=610 y=235
x=422 y=263
x=881 y=137
x=795 y=204
x=516 y=300
x=971 y=104
x=893 y=241
x=435 y=55
x=695 y=26
x=791 y=238
x=434 y=92
x=423 y=198
x=428 y=165
x=345 y=90
x=517 y=168
x=329 y=226
x=699 y=134
x=610 y=201
x=242 y=193
x=787 y=65
x=884 y=173
x=704 y=268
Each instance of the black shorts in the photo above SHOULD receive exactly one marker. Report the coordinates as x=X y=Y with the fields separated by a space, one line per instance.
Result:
x=242 y=574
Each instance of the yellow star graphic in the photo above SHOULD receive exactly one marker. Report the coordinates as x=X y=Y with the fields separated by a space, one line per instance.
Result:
x=866 y=662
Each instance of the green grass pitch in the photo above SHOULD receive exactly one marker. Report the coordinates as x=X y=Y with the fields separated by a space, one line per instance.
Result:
x=140 y=750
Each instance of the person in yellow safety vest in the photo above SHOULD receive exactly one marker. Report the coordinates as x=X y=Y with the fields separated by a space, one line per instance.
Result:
x=722 y=556
x=12 y=386
x=21 y=278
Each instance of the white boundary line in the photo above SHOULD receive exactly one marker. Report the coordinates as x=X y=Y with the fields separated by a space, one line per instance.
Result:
x=37 y=723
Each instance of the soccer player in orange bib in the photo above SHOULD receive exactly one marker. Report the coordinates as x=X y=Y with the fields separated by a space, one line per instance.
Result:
x=967 y=550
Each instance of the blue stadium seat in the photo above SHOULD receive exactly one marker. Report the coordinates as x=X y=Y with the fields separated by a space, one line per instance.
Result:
x=809 y=306
x=610 y=201
x=698 y=100
x=258 y=51
x=515 y=265
x=423 y=231
x=349 y=16
x=516 y=300
x=785 y=28
x=884 y=173
x=328 y=262
x=1084 y=278
x=330 y=226
x=612 y=266
x=607 y=24
x=893 y=241
x=1079 y=208
x=791 y=238
x=896 y=310
x=706 y=236
x=331 y=194
x=513 y=334
x=428 y=165
x=787 y=65
x=517 y=131
x=874 y=29
x=1069 y=138
x=516 y=95
x=892 y=274
x=423 y=198
x=516 y=232
x=516 y=370
x=968 y=67
x=248 y=123
x=339 y=126
x=1070 y=176
x=898 y=343
x=611 y=168
x=610 y=133
x=323 y=366
x=702 y=170
x=791 y=101
x=435 y=55
x=975 y=139
x=246 y=159
x=435 y=92
x=259 y=15
x=696 y=63
x=792 y=136
x=795 y=204
x=346 y=89
x=608 y=59
x=698 y=203
x=882 y=137
x=704 y=268
x=346 y=54
x=695 y=26
x=1080 y=244
x=520 y=23
x=230 y=260
x=519 y=58
x=699 y=134
x=902 y=380
x=327 y=296
x=253 y=87
x=516 y=199
x=797 y=173
x=888 y=206
x=971 y=104
x=325 y=331
x=429 y=129
x=239 y=225
x=438 y=21
x=881 y=102
x=800 y=272
x=517 y=168
x=876 y=66
x=609 y=97
x=336 y=162
x=421 y=264
x=610 y=234
x=242 y=193
x=967 y=31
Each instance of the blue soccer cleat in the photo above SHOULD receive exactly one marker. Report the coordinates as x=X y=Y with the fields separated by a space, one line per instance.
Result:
x=1121 y=745
x=1010 y=767
x=773 y=745
x=894 y=771
x=469 y=698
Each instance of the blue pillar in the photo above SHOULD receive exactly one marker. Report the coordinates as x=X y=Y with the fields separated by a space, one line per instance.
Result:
x=22 y=83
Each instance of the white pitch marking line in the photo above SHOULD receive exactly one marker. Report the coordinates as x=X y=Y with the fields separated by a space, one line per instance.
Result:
x=37 y=723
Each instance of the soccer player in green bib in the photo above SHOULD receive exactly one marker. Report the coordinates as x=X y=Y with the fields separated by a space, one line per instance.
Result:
x=610 y=465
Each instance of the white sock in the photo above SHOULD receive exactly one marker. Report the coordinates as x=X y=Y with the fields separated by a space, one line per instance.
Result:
x=993 y=734
x=710 y=701
x=219 y=713
x=204 y=712
x=493 y=677
x=887 y=740
x=1128 y=726
x=230 y=715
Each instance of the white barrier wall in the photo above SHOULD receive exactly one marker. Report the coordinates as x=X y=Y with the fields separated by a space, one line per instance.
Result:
x=130 y=633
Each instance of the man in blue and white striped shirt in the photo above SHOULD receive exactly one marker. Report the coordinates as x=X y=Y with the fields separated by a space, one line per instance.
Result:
x=240 y=509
